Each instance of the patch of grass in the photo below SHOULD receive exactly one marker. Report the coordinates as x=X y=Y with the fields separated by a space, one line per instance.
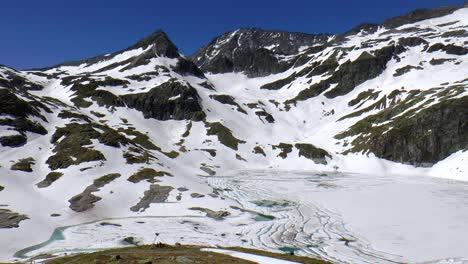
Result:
x=406 y=69
x=50 y=178
x=144 y=141
x=187 y=130
x=23 y=165
x=311 y=152
x=224 y=135
x=285 y=149
x=147 y=174
x=259 y=150
x=70 y=149
x=166 y=254
x=364 y=96
x=65 y=114
x=137 y=155
x=227 y=99
x=101 y=181
x=381 y=104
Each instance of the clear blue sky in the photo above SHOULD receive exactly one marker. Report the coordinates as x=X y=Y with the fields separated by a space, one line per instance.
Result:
x=41 y=33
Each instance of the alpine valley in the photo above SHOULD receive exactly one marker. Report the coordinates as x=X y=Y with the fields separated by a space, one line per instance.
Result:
x=349 y=147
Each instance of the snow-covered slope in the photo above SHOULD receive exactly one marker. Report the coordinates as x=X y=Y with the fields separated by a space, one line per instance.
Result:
x=112 y=135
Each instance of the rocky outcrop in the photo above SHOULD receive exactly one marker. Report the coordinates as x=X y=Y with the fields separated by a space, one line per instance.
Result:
x=17 y=112
x=351 y=74
x=313 y=153
x=155 y=194
x=171 y=100
x=86 y=200
x=253 y=51
x=423 y=139
x=9 y=219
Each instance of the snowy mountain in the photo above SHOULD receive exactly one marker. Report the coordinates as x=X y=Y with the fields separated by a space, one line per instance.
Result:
x=130 y=133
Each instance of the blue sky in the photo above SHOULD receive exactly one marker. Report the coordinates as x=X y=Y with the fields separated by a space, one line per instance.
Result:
x=43 y=33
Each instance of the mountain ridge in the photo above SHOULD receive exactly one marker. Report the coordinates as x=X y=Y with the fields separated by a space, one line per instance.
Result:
x=145 y=127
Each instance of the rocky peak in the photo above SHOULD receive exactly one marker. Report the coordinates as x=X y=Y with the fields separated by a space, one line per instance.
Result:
x=408 y=18
x=255 y=51
x=162 y=45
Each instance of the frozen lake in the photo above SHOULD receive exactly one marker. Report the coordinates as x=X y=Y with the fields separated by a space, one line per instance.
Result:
x=349 y=218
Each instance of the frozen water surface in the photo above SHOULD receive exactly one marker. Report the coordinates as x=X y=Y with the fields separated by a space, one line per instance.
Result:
x=352 y=218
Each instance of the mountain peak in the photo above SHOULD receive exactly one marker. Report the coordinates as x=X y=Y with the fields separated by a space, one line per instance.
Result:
x=244 y=49
x=162 y=44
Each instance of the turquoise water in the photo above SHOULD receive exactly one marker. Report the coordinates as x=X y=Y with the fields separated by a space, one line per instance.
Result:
x=56 y=235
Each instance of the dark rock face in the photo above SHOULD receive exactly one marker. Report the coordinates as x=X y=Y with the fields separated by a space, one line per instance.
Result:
x=422 y=140
x=419 y=15
x=366 y=67
x=15 y=81
x=11 y=104
x=170 y=100
x=432 y=135
x=313 y=153
x=352 y=73
x=24 y=165
x=18 y=111
x=411 y=17
x=164 y=46
x=13 y=141
x=253 y=51
x=411 y=41
x=185 y=67
x=449 y=49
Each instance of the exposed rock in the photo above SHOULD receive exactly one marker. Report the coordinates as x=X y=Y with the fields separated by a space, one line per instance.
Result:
x=83 y=201
x=208 y=170
x=13 y=140
x=197 y=195
x=351 y=74
x=224 y=135
x=429 y=136
x=24 y=165
x=449 y=49
x=155 y=194
x=9 y=219
x=49 y=179
x=170 y=100
x=86 y=200
x=226 y=99
x=313 y=153
x=217 y=215
x=440 y=61
x=248 y=50
x=406 y=69
x=285 y=149
x=267 y=116
x=147 y=174
x=185 y=67
x=259 y=150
